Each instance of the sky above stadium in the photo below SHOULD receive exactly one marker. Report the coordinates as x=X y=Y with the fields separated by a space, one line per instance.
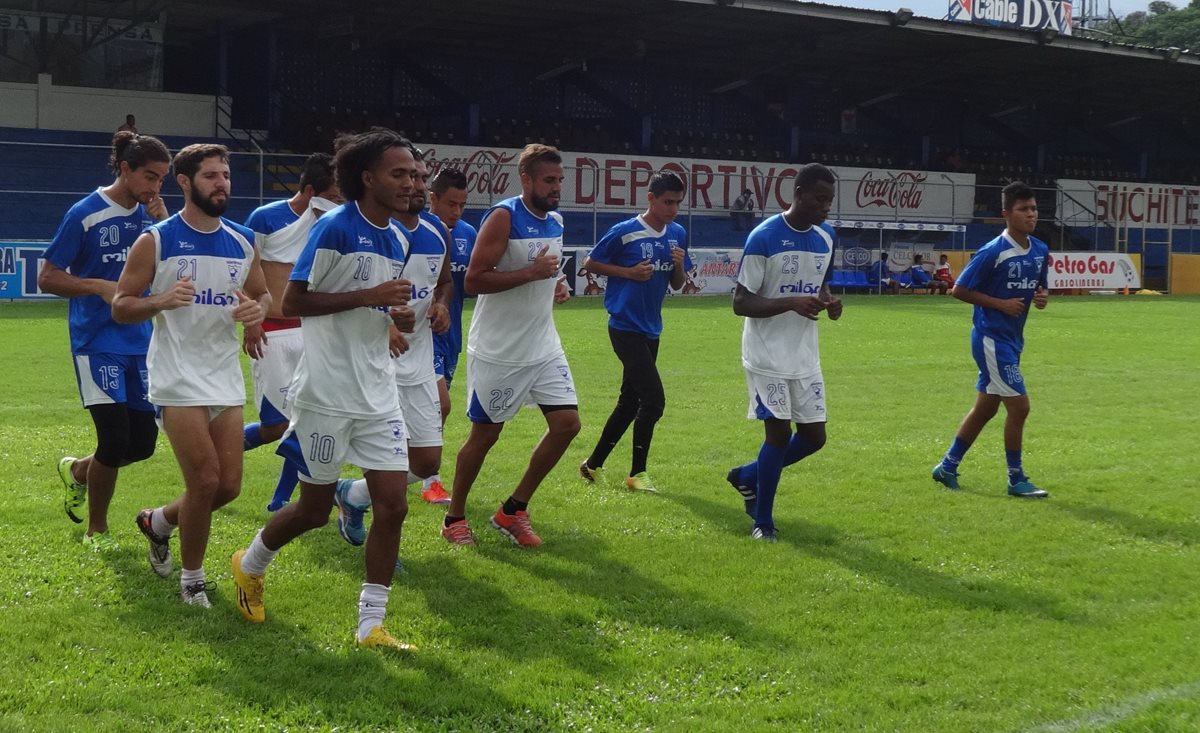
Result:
x=938 y=8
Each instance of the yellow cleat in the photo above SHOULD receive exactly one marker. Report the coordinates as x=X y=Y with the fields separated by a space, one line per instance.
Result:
x=640 y=482
x=249 y=591
x=380 y=638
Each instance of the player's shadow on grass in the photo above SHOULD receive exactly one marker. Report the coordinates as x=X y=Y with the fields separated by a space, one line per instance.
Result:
x=283 y=665
x=1149 y=528
x=830 y=543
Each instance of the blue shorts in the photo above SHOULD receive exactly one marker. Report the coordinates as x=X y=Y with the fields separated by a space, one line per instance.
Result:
x=445 y=364
x=107 y=379
x=999 y=366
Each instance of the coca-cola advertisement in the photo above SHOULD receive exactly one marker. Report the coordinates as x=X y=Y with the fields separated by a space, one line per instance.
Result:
x=616 y=182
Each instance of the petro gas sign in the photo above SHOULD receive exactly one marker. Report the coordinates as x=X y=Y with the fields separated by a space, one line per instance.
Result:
x=1028 y=14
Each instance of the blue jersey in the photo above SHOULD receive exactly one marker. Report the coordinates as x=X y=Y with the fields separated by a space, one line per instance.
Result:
x=463 y=238
x=92 y=242
x=632 y=305
x=1004 y=269
x=270 y=218
x=920 y=276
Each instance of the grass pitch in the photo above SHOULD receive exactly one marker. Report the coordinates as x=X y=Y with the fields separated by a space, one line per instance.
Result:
x=890 y=604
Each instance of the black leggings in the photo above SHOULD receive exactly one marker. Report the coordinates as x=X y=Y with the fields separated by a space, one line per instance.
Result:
x=641 y=401
x=123 y=436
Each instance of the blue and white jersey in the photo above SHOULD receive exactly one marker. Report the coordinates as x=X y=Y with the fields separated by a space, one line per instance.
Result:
x=193 y=358
x=516 y=327
x=425 y=257
x=93 y=241
x=463 y=236
x=346 y=369
x=1004 y=269
x=632 y=305
x=279 y=233
x=781 y=262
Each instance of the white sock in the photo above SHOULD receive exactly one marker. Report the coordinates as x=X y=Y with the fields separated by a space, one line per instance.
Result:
x=358 y=494
x=189 y=577
x=430 y=481
x=414 y=478
x=257 y=557
x=159 y=524
x=372 y=604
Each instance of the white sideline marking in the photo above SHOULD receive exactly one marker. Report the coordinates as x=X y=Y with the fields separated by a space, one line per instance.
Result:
x=1110 y=714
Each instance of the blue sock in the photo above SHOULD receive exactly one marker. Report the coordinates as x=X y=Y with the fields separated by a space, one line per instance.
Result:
x=954 y=456
x=770 y=467
x=1015 y=473
x=251 y=436
x=289 y=476
x=797 y=450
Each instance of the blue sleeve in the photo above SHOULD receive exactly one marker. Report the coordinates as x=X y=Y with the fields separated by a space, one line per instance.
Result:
x=67 y=242
x=603 y=251
x=756 y=243
x=976 y=271
x=256 y=222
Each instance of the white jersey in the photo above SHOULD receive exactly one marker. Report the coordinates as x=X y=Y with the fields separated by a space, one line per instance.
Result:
x=516 y=327
x=193 y=358
x=279 y=233
x=781 y=262
x=425 y=258
x=346 y=369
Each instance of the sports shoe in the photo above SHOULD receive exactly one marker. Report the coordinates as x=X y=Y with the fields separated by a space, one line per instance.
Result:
x=764 y=534
x=160 y=547
x=459 y=533
x=749 y=496
x=946 y=478
x=76 y=493
x=196 y=594
x=379 y=638
x=436 y=494
x=350 y=517
x=249 y=591
x=589 y=474
x=641 y=482
x=516 y=527
x=100 y=542
x=1026 y=490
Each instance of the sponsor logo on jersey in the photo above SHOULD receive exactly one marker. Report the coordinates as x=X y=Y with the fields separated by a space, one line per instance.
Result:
x=209 y=297
x=1025 y=283
x=819 y=263
x=114 y=256
x=129 y=225
x=663 y=265
x=234 y=267
x=397 y=270
x=458 y=267
x=800 y=287
x=365 y=241
x=186 y=246
x=461 y=246
x=532 y=230
x=434 y=263
x=786 y=243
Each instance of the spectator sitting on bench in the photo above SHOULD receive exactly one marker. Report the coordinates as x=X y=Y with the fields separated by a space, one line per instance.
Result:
x=942 y=272
x=881 y=274
x=922 y=279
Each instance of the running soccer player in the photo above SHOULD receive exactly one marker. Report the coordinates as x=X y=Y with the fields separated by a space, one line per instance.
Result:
x=1005 y=276
x=514 y=355
x=83 y=263
x=641 y=257
x=416 y=382
x=781 y=290
x=196 y=275
x=347 y=290
x=280 y=232
x=447 y=201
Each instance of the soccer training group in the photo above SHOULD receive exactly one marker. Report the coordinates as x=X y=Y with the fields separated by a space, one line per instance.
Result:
x=350 y=295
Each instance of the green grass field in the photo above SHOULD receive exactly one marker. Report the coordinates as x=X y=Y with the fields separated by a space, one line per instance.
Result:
x=890 y=604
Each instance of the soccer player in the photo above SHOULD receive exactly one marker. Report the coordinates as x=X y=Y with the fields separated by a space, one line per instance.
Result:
x=280 y=232
x=196 y=275
x=641 y=257
x=881 y=275
x=416 y=382
x=514 y=355
x=347 y=290
x=447 y=201
x=781 y=290
x=1006 y=275
x=83 y=263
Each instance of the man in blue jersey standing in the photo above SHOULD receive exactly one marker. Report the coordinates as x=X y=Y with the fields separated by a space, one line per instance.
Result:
x=514 y=355
x=1006 y=275
x=280 y=232
x=641 y=257
x=781 y=291
x=83 y=263
x=448 y=201
x=347 y=290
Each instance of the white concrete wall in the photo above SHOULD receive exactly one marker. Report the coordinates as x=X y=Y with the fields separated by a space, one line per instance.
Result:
x=18 y=105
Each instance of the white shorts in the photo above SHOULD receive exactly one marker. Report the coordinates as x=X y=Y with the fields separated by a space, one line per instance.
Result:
x=273 y=374
x=214 y=411
x=422 y=413
x=794 y=400
x=319 y=444
x=497 y=392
